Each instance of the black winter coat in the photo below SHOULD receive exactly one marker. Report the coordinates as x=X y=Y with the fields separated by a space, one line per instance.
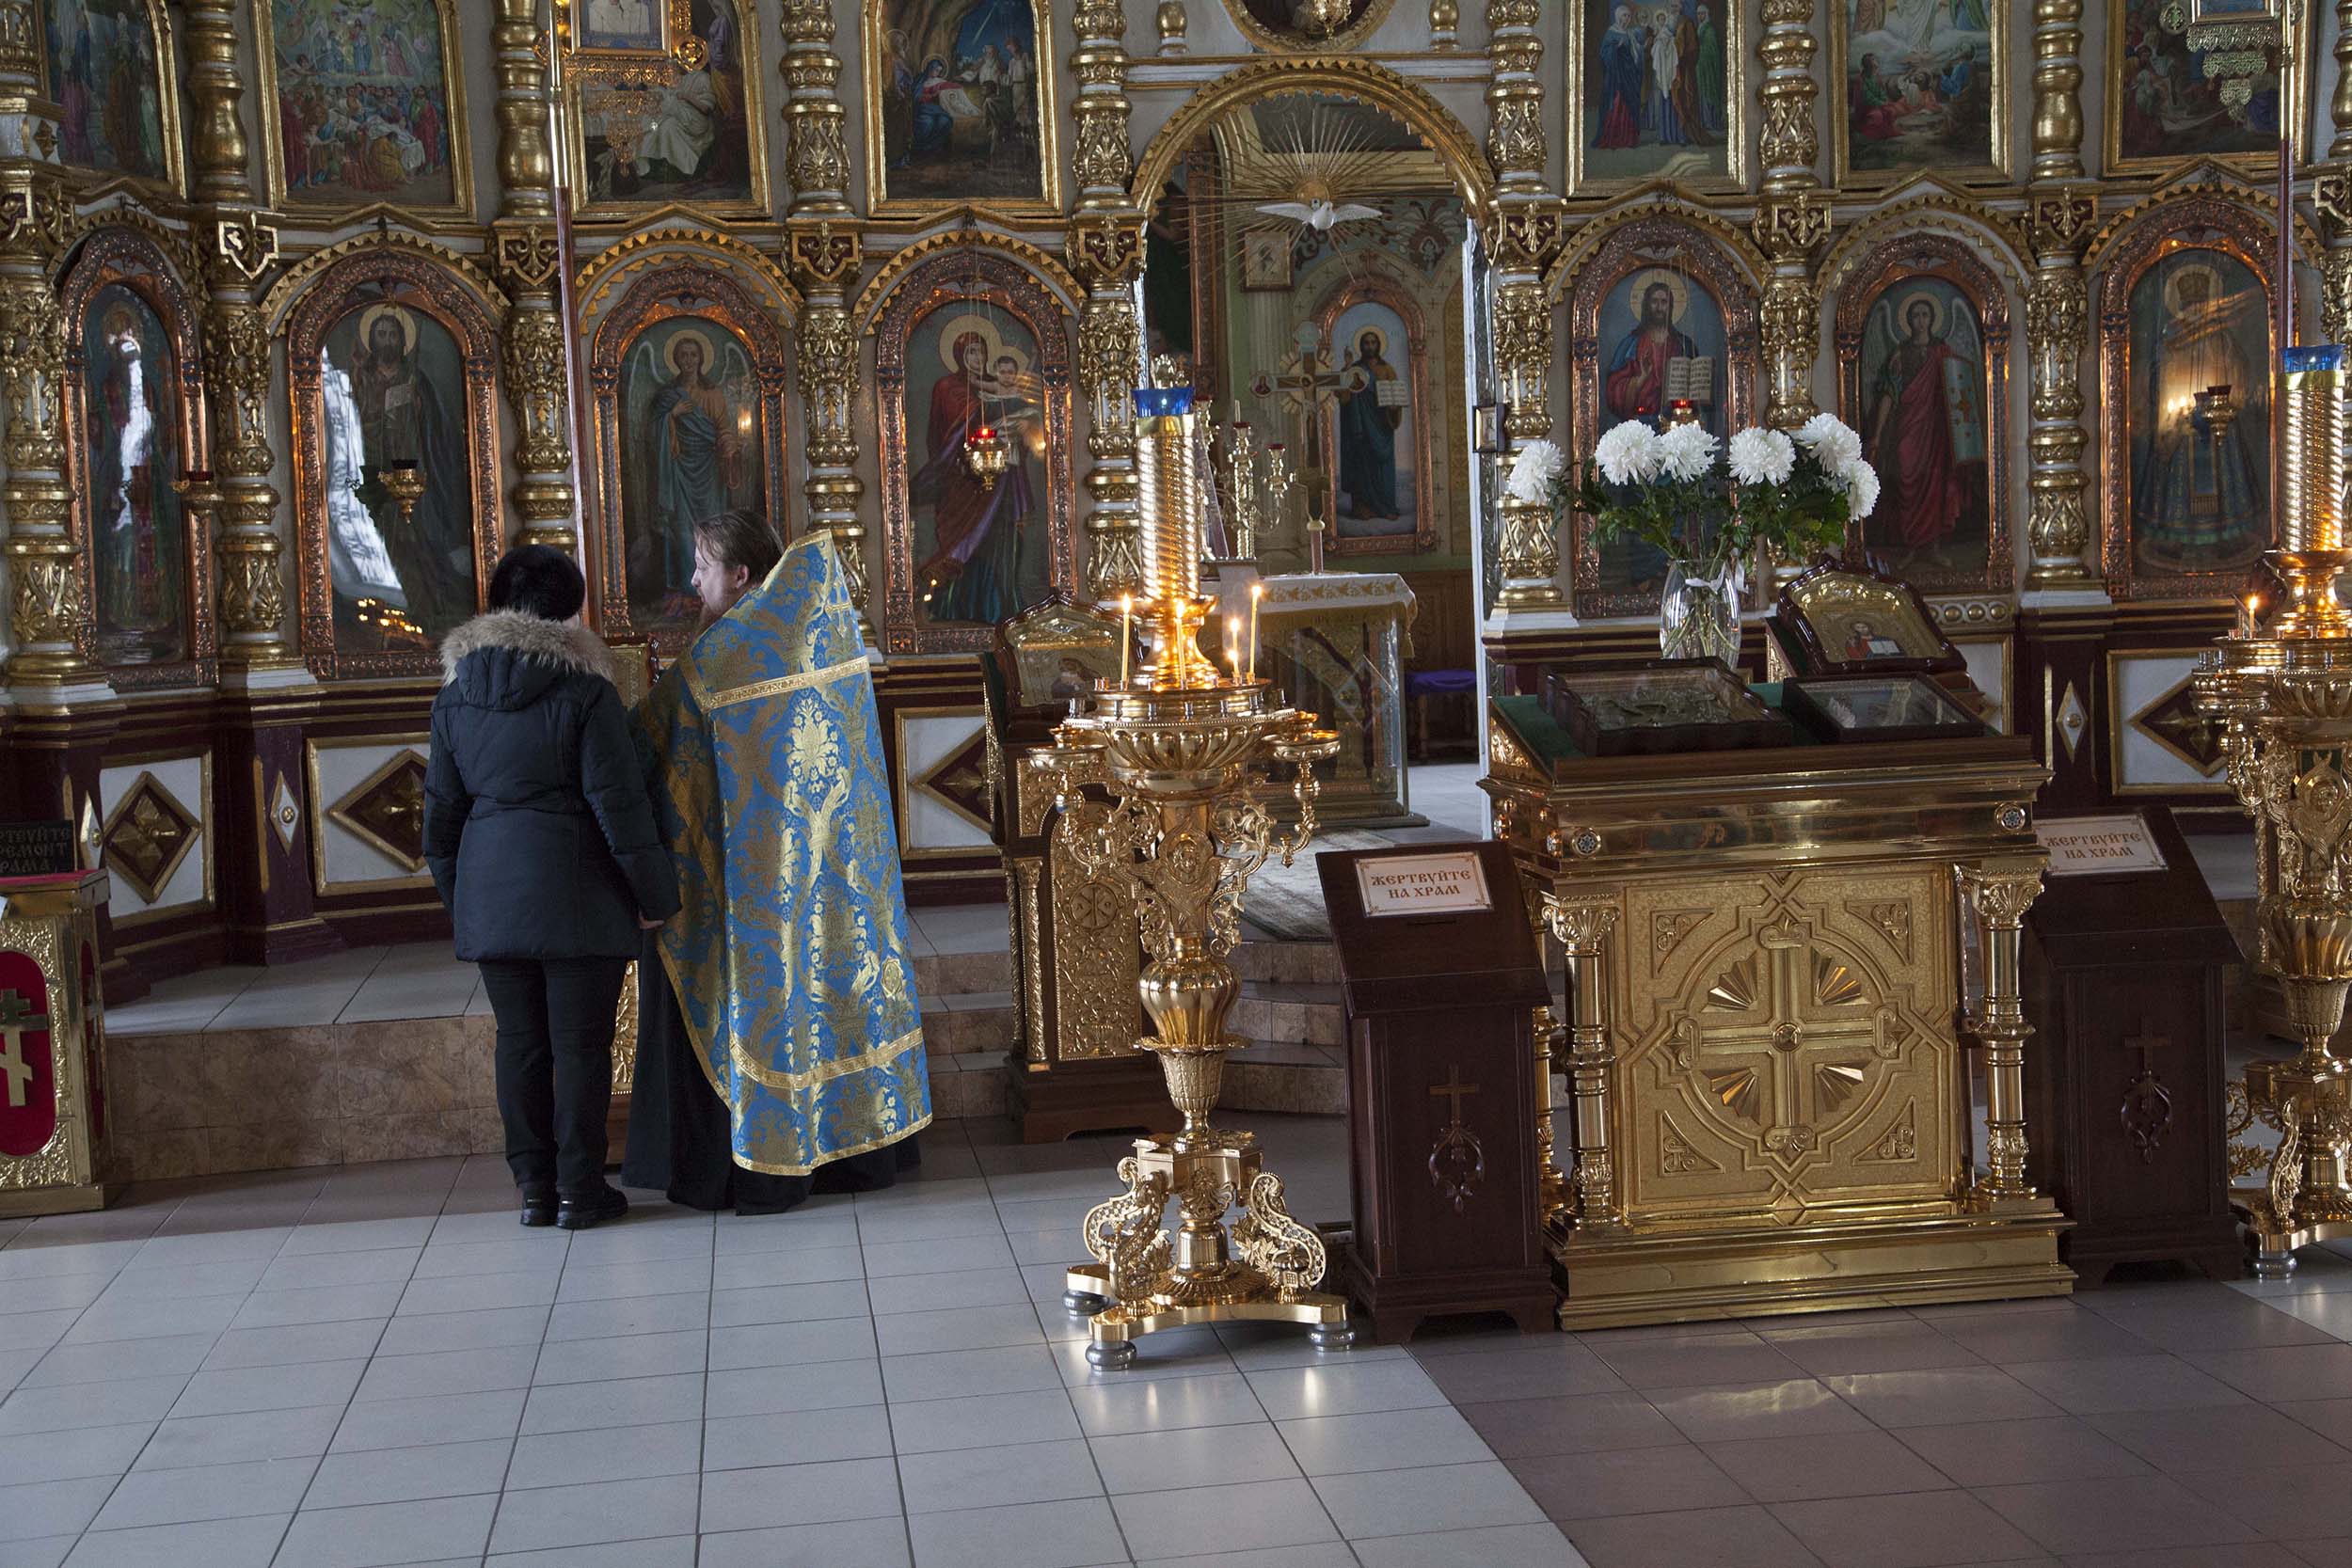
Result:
x=536 y=824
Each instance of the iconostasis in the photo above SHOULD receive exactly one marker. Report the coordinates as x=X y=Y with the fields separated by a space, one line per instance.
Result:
x=287 y=287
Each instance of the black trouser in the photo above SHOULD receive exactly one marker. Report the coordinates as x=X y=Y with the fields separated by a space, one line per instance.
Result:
x=554 y=1065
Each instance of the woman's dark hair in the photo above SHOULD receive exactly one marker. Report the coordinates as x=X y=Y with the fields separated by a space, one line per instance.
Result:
x=740 y=538
x=538 y=580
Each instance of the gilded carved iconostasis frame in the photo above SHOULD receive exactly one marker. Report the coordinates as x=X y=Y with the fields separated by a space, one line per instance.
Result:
x=458 y=129
x=1731 y=184
x=1427 y=409
x=1199 y=137
x=155 y=267
x=989 y=274
x=882 y=65
x=1701 y=251
x=625 y=82
x=308 y=302
x=681 y=288
x=2001 y=165
x=174 y=184
x=1896 y=261
x=2137 y=243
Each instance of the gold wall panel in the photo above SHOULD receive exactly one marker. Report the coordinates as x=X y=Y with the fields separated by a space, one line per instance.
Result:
x=1782 y=1028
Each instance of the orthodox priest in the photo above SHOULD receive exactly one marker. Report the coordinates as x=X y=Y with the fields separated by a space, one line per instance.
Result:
x=780 y=1043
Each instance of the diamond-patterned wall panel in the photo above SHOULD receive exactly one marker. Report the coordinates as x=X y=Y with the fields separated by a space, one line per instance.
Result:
x=387 y=810
x=146 y=837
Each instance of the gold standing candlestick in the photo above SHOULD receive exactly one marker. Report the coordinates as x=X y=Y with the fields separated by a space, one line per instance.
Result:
x=2284 y=696
x=1178 y=748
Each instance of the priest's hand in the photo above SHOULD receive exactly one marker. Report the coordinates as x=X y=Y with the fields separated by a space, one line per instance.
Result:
x=645 y=924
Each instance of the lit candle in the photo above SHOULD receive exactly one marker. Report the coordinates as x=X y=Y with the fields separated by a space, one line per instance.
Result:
x=1127 y=633
x=1257 y=592
x=2246 y=617
x=1233 y=644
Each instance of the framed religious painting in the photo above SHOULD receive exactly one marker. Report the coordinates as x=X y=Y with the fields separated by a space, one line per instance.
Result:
x=369 y=105
x=2166 y=110
x=392 y=364
x=115 y=79
x=1380 y=423
x=961 y=343
x=688 y=373
x=1266 y=258
x=1926 y=89
x=134 y=425
x=1658 y=91
x=959 y=107
x=1923 y=357
x=2186 y=352
x=665 y=97
x=1659 y=312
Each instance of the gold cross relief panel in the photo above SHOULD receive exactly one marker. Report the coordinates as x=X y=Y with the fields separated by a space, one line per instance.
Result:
x=1787 y=1046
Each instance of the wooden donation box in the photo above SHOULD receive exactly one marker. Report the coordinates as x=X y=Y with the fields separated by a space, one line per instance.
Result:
x=1769 y=1068
x=1076 y=943
x=56 y=1156
x=2124 y=957
x=1442 y=977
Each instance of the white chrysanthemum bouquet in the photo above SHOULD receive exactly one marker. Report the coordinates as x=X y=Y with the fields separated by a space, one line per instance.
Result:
x=1691 y=496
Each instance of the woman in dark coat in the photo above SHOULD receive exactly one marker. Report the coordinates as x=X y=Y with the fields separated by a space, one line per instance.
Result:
x=544 y=847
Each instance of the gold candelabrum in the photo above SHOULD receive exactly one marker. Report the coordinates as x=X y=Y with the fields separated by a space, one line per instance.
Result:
x=1254 y=506
x=2282 y=696
x=1176 y=744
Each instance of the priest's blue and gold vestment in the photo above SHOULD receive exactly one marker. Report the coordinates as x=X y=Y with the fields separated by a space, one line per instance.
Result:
x=790 y=955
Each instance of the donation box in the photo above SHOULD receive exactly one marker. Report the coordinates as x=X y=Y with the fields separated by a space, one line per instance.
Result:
x=1442 y=977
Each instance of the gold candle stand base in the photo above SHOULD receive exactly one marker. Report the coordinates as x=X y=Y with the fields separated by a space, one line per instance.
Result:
x=2305 y=1199
x=1145 y=1279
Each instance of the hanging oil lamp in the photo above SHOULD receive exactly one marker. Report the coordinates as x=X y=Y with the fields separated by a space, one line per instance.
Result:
x=986 y=455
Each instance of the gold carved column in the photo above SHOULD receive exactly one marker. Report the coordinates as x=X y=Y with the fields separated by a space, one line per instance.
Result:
x=1792 y=221
x=2061 y=209
x=1999 y=893
x=529 y=259
x=45 y=606
x=1583 y=927
x=1523 y=237
x=238 y=248
x=1105 y=246
x=823 y=252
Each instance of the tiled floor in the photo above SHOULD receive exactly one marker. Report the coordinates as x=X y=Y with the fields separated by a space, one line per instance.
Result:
x=376 y=1366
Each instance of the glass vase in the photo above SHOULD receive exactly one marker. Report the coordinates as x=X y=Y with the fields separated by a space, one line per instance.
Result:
x=1698 y=616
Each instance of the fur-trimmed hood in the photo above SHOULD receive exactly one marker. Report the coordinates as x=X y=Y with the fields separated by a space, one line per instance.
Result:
x=573 y=649
x=508 y=659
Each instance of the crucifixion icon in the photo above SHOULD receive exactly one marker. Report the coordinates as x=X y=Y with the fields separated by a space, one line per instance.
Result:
x=17 y=1019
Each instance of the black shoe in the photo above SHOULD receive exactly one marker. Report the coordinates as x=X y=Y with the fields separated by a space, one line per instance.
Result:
x=578 y=1214
x=538 y=1208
